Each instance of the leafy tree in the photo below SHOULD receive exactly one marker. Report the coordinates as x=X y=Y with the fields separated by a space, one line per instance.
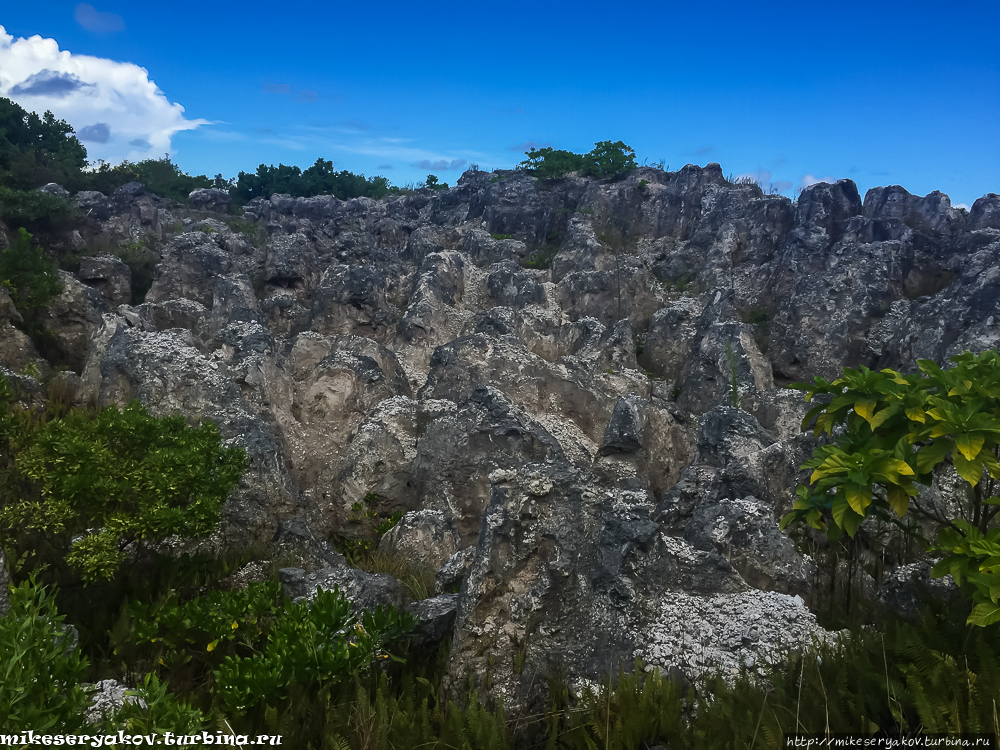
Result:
x=29 y=275
x=898 y=432
x=609 y=159
x=85 y=491
x=36 y=150
x=549 y=163
x=432 y=182
x=319 y=179
x=160 y=176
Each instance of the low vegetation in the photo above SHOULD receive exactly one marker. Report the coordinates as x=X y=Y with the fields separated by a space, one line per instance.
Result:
x=607 y=160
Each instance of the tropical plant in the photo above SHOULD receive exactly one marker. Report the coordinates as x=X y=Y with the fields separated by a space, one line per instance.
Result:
x=550 y=163
x=42 y=674
x=609 y=160
x=86 y=491
x=29 y=275
x=35 y=150
x=899 y=431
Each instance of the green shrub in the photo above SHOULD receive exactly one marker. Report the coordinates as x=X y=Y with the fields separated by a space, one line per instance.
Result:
x=29 y=274
x=549 y=163
x=609 y=160
x=160 y=176
x=319 y=179
x=35 y=211
x=897 y=431
x=163 y=712
x=606 y=160
x=540 y=259
x=42 y=684
x=81 y=489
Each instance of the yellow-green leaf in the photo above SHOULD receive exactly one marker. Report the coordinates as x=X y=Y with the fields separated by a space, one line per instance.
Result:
x=901 y=467
x=898 y=499
x=970 y=445
x=856 y=498
x=235 y=625
x=991 y=463
x=941 y=428
x=970 y=471
x=865 y=409
x=212 y=645
x=879 y=418
x=916 y=415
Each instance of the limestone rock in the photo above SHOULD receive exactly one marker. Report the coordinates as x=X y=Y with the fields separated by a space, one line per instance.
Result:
x=435 y=618
x=110 y=276
x=210 y=199
x=109 y=696
x=424 y=537
x=365 y=591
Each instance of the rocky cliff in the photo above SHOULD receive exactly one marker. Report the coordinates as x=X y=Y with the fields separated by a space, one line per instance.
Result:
x=573 y=390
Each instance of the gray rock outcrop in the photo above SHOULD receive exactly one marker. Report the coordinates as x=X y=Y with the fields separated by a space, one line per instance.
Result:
x=572 y=390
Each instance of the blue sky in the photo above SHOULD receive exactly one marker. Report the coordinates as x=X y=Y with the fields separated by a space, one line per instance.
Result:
x=884 y=93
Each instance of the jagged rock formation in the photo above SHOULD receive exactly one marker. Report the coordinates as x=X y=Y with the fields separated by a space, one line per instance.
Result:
x=573 y=390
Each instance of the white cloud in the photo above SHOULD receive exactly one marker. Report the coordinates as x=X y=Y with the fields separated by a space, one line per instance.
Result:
x=116 y=110
x=810 y=179
x=960 y=205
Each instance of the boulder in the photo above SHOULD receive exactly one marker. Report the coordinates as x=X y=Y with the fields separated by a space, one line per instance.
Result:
x=365 y=591
x=55 y=189
x=210 y=199
x=108 y=698
x=72 y=318
x=111 y=276
x=425 y=538
x=435 y=618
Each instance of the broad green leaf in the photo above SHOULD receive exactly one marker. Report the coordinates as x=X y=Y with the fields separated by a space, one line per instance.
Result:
x=858 y=498
x=970 y=471
x=898 y=499
x=851 y=523
x=865 y=409
x=984 y=614
x=991 y=463
x=916 y=415
x=879 y=418
x=931 y=455
x=969 y=445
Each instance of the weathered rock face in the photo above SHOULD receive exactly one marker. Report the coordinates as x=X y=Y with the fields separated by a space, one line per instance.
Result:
x=210 y=199
x=572 y=390
x=111 y=276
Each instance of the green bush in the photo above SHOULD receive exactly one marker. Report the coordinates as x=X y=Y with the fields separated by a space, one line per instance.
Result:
x=319 y=179
x=41 y=678
x=35 y=150
x=549 y=163
x=160 y=176
x=29 y=274
x=80 y=490
x=609 y=160
x=35 y=211
x=606 y=160
x=898 y=431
